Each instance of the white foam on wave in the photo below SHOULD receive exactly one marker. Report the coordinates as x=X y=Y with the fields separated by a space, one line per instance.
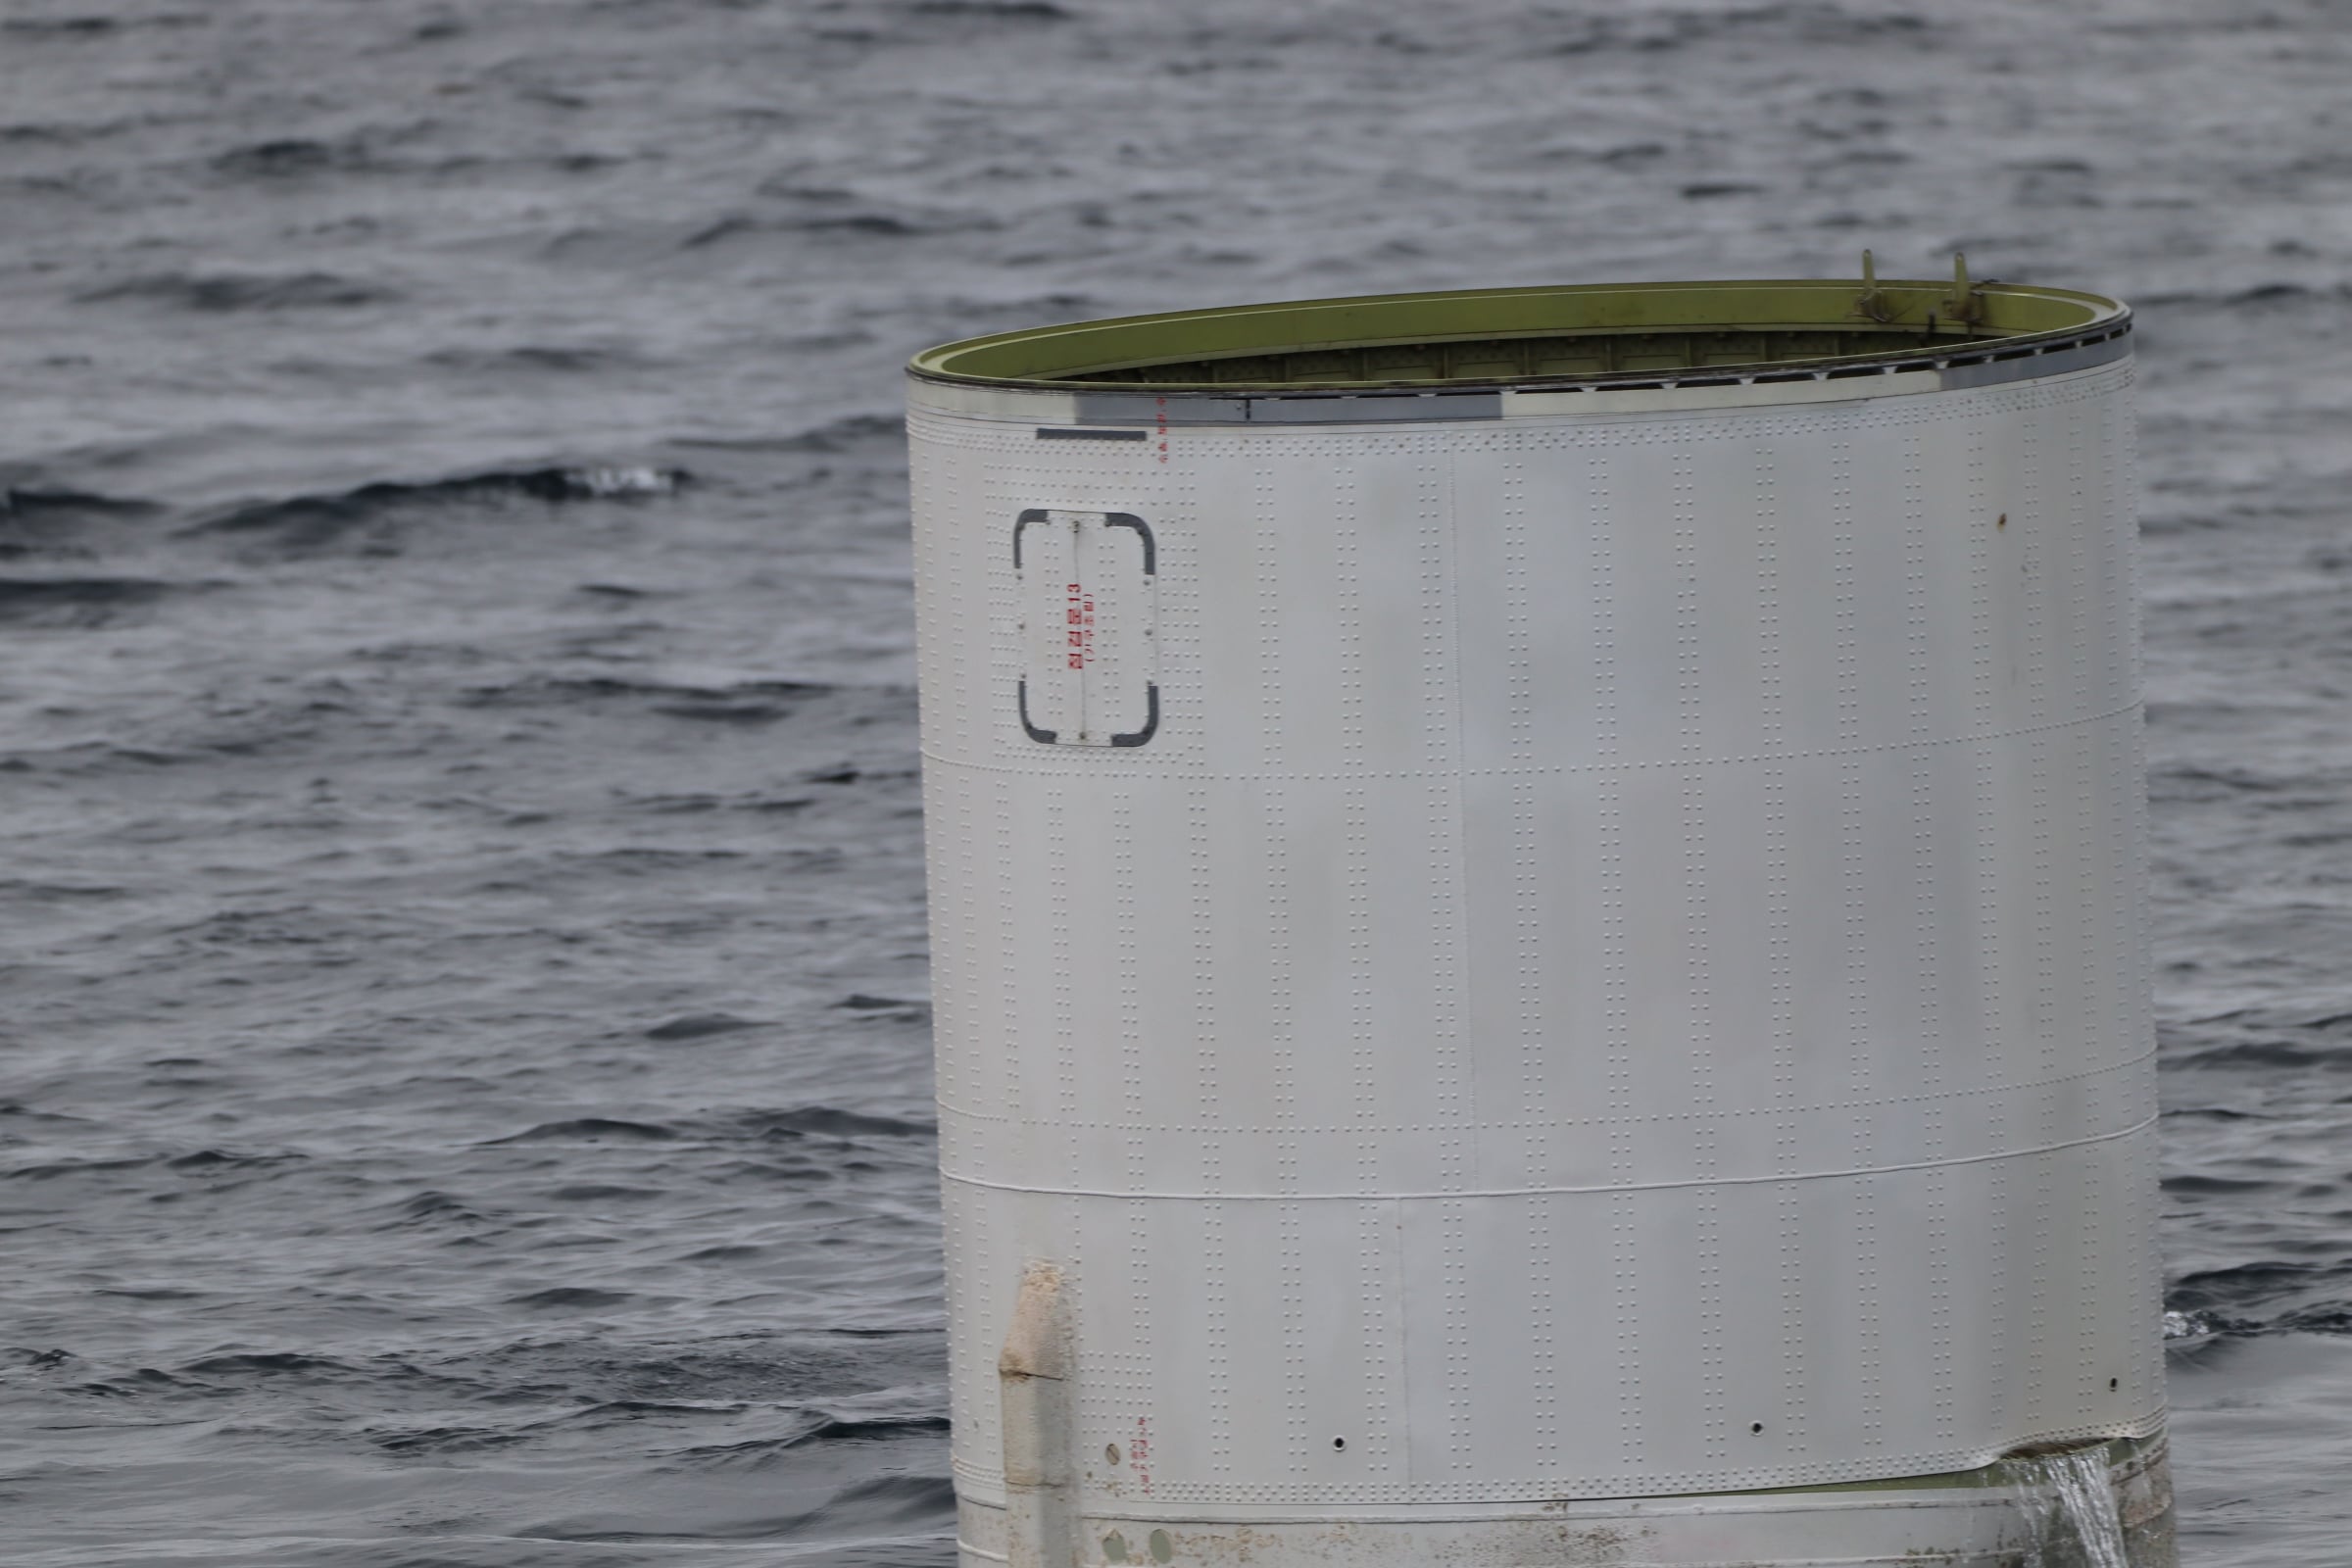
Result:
x=623 y=482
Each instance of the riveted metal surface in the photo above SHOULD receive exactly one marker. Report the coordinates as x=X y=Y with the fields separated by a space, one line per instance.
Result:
x=1620 y=974
x=1996 y=1517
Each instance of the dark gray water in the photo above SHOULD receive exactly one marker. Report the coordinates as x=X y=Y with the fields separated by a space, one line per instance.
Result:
x=466 y=1072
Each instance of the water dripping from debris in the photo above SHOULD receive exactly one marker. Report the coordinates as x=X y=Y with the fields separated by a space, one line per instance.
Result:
x=2070 y=1503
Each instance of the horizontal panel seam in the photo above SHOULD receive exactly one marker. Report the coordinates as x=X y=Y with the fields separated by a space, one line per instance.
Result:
x=1445 y=1196
x=1626 y=1486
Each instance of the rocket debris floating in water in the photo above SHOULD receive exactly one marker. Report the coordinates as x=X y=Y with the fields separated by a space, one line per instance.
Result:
x=1536 y=898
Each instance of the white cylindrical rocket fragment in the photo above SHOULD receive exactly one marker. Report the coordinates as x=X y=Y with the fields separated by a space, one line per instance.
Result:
x=1538 y=922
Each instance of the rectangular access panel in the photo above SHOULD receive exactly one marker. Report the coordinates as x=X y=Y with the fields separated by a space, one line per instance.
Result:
x=1087 y=606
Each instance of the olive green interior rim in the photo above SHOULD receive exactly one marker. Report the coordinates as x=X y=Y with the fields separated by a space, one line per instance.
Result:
x=1118 y=352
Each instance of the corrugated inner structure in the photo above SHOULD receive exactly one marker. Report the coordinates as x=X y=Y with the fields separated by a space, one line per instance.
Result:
x=1530 y=357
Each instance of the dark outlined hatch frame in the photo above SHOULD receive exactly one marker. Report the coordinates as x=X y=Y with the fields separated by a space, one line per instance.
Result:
x=1140 y=629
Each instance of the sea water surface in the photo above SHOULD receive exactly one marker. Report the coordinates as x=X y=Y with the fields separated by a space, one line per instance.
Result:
x=463 y=1069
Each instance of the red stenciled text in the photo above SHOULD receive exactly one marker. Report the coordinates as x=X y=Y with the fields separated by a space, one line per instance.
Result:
x=1079 y=610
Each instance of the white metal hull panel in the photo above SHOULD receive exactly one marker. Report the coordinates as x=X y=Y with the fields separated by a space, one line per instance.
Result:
x=1678 y=588
x=1987 y=1521
x=1358 y=998
x=1628 y=931
x=1590 y=1344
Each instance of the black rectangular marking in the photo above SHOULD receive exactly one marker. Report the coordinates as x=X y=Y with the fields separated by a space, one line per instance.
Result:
x=1051 y=433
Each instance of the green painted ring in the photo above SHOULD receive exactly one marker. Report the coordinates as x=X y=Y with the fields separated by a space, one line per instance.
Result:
x=1521 y=335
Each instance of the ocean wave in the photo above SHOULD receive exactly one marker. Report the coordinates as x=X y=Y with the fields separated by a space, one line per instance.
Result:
x=859 y=1001
x=694 y=805
x=432 y=1208
x=886 y=1504
x=322 y=519
x=2261 y=1038
x=2243 y=1287
x=881 y=434
x=573 y=1299
x=215 y=1159
x=702 y=1026
x=1663 y=31
x=850 y=432
x=870 y=224
x=2278 y=293
x=635 y=1410
x=44 y=520
x=56 y=1169
x=44 y=501
x=80 y=602
x=992 y=10
x=90 y=26
x=368 y=150
x=429 y=1441
x=271 y=1364
x=590 y=1130
x=251 y=291
x=2257 y=1054
x=879 y=1503
x=758 y=1452
x=60 y=26
x=729 y=1370
x=550 y=358
x=828 y=1121
x=748 y=701
x=650 y=686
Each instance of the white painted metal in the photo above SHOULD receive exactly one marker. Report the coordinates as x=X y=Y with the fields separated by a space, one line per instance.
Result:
x=2002 y=1523
x=1619 y=971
